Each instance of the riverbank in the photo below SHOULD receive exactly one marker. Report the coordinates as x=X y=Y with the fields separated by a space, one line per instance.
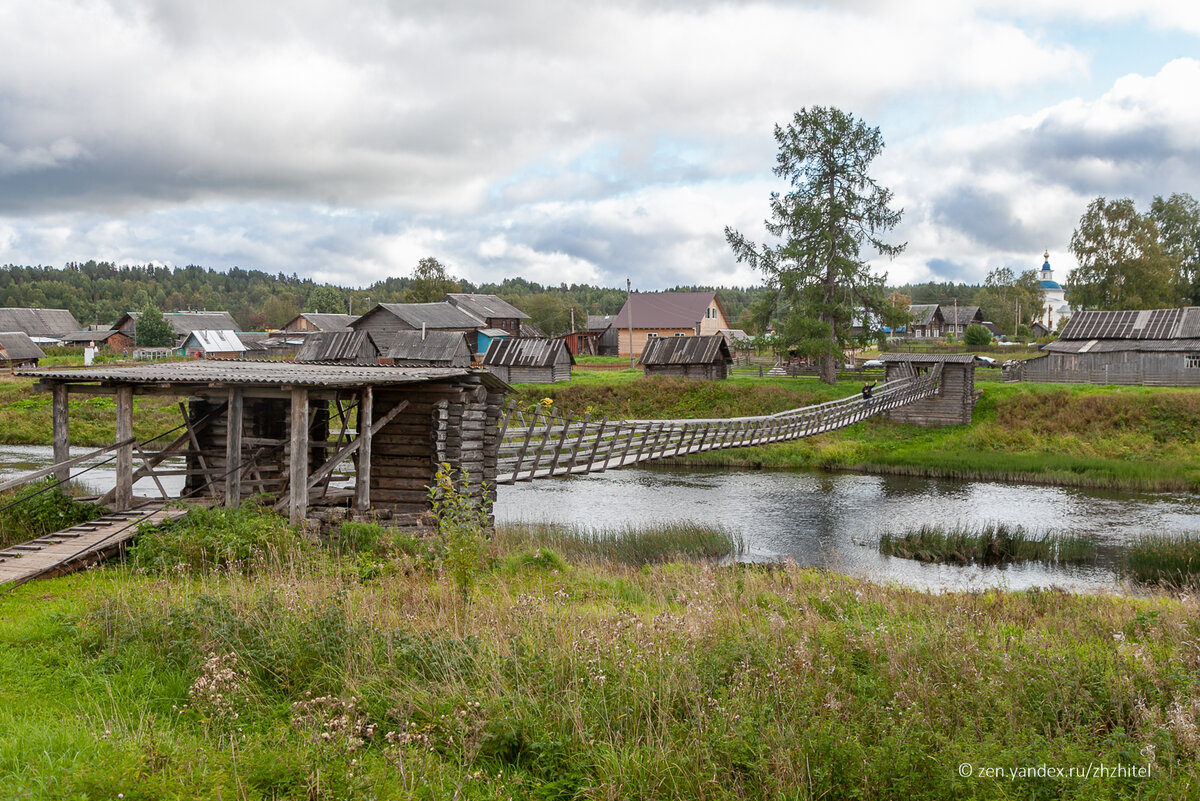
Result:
x=1134 y=438
x=301 y=672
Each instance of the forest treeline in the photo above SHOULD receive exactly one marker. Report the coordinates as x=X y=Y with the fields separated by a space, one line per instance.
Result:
x=100 y=292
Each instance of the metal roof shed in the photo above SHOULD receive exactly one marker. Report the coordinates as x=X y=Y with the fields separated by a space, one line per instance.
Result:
x=529 y=361
x=706 y=358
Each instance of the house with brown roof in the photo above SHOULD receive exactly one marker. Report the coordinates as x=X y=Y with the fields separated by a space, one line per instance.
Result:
x=927 y=320
x=655 y=315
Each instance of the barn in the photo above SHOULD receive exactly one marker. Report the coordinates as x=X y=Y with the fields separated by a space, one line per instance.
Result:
x=1154 y=347
x=703 y=357
x=338 y=347
x=529 y=361
x=18 y=350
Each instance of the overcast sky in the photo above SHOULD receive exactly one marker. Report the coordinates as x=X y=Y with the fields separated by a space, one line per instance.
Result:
x=571 y=141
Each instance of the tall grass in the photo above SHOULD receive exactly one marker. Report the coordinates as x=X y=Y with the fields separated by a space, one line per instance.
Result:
x=626 y=545
x=41 y=508
x=987 y=544
x=1165 y=559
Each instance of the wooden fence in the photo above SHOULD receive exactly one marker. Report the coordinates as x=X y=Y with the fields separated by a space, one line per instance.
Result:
x=543 y=442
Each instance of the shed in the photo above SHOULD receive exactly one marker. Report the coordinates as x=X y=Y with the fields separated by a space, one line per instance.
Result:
x=18 y=350
x=266 y=428
x=529 y=361
x=338 y=347
x=703 y=357
x=486 y=336
x=1157 y=347
x=213 y=344
x=435 y=349
x=954 y=403
x=109 y=338
x=604 y=335
x=313 y=322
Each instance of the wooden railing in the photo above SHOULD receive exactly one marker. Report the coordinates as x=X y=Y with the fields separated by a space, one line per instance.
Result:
x=542 y=442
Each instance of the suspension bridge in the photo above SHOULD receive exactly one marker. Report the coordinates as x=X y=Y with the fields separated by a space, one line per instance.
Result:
x=441 y=416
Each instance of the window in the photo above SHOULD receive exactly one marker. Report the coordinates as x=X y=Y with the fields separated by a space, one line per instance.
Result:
x=680 y=334
x=1192 y=361
x=652 y=335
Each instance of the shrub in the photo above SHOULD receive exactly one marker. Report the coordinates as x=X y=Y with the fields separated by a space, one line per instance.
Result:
x=205 y=538
x=976 y=335
x=461 y=521
x=40 y=509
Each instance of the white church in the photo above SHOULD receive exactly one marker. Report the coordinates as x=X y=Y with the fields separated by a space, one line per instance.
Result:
x=1054 y=298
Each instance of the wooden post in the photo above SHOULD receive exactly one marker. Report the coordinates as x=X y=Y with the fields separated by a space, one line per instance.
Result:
x=124 y=494
x=366 y=418
x=298 y=464
x=233 y=448
x=62 y=434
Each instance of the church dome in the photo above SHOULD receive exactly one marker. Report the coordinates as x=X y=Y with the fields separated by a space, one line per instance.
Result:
x=1052 y=286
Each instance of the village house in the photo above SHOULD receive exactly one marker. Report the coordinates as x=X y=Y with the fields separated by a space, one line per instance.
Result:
x=491 y=311
x=386 y=319
x=966 y=315
x=182 y=323
x=927 y=321
x=655 y=315
x=42 y=326
x=313 y=322
x=212 y=344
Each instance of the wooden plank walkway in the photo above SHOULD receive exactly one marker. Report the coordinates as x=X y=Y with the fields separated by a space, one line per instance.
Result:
x=78 y=546
x=543 y=442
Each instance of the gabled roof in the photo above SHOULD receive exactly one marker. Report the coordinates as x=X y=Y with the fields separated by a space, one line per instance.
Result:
x=47 y=323
x=734 y=335
x=525 y=352
x=346 y=346
x=325 y=322
x=184 y=323
x=17 y=346
x=431 y=315
x=437 y=349
x=485 y=306
x=929 y=358
x=1147 y=324
x=599 y=322
x=685 y=350
x=665 y=309
x=966 y=315
x=217 y=341
x=922 y=313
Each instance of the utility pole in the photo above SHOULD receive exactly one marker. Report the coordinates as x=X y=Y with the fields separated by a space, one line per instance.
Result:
x=956 y=317
x=629 y=305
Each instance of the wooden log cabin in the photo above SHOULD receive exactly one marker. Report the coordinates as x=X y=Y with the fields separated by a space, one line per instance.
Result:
x=280 y=428
x=954 y=403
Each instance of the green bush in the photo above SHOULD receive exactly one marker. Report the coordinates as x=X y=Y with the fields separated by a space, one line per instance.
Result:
x=976 y=335
x=461 y=521
x=40 y=509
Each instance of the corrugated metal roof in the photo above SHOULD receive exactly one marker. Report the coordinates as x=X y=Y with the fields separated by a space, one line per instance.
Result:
x=16 y=346
x=266 y=373
x=485 y=306
x=1118 y=345
x=665 y=309
x=1146 y=324
x=437 y=349
x=87 y=336
x=48 y=323
x=353 y=347
x=184 y=323
x=432 y=315
x=599 y=322
x=523 y=352
x=929 y=358
x=685 y=350
x=217 y=341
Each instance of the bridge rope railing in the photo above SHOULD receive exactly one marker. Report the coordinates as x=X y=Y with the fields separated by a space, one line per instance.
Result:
x=544 y=442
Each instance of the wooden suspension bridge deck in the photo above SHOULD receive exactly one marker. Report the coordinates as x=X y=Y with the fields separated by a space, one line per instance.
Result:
x=78 y=546
x=546 y=443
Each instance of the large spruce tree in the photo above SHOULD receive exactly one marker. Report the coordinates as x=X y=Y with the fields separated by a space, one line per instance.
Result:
x=821 y=289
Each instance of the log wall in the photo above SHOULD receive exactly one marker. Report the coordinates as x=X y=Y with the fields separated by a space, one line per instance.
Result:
x=953 y=404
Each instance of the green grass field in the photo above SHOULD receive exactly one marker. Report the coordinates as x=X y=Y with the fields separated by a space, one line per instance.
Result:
x=296 y=671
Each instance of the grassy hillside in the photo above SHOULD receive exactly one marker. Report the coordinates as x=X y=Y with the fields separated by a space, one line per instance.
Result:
x=1128 y=437
x=298 y=673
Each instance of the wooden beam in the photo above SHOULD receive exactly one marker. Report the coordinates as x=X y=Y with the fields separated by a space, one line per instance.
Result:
x=298 y=464
x=362 y=476
x=233 y=448
x=62 y=433
x=123 y=498
x=45 y=471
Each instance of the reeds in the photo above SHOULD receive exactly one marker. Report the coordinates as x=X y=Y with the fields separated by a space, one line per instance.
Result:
x=989 y=544
x=627 y=545
x=1165 y=559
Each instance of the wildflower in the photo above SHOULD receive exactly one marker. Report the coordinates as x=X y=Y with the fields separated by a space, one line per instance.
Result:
x=547 y=402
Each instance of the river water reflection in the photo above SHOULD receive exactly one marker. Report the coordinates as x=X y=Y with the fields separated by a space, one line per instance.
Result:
x=830 y=520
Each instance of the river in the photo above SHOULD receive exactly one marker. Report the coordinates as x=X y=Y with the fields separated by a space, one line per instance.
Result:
x=829 y=520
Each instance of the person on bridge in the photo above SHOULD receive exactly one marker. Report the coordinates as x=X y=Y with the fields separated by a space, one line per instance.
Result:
x=866 y=393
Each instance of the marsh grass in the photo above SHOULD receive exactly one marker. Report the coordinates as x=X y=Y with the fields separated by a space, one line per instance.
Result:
x=625 y=545
x=1171 y=560
x=987 y=544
